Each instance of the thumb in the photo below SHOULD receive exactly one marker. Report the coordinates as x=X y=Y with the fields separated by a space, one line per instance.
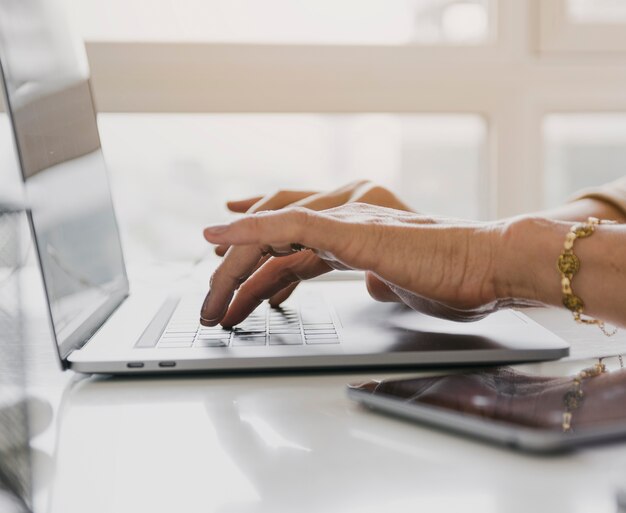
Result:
x=379 y=290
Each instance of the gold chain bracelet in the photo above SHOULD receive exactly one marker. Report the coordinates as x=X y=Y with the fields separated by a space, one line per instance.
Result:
x=574 y=397
x=568 y=265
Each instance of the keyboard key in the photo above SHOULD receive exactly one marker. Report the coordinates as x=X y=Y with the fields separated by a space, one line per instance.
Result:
x=308 y=331
x=212 y=342
x=285 y=340
x=314 y=341
x=212 y=336
x=248 y=341
x=284 y=331
x=249 y=323
x=321 y=335
x=248 y=332
x=294 y=326
x=318 y=326
x=283 y=321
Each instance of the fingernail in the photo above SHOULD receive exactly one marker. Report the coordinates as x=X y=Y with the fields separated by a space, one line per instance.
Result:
x=204 y=307
x=208 y=322
x=217 y=228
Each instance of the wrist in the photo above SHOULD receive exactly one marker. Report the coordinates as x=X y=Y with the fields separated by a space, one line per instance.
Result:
x=526 y=263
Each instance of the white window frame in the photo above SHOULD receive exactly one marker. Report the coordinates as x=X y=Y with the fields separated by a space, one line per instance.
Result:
x=513 y=81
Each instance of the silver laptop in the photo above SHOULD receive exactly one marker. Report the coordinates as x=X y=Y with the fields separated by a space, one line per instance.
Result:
x=100 y=327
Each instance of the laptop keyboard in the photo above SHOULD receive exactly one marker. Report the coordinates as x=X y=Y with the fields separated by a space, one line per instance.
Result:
x=309 y=324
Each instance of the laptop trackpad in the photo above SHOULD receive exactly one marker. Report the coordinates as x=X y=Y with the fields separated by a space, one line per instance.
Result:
x=395 y=327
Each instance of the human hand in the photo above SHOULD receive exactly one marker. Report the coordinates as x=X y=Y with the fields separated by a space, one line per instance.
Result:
x=438 y=266
x=361 y=191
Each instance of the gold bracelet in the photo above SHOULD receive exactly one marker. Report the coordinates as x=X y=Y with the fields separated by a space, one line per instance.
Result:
x=573 y=398
x=568 y=265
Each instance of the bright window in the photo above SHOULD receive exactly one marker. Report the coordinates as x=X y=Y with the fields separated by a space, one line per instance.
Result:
x=582 y=150
x=597 y=11
x=184 y=167
x=473 y=108
x=378 y=22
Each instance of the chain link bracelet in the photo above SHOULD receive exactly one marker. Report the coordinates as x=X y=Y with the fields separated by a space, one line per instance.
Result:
x=568 y=265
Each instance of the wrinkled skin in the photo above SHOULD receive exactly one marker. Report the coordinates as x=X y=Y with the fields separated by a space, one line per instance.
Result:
x=360 y=191
x=418 y=260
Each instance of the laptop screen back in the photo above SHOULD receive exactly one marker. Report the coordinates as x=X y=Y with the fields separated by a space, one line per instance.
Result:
x=47 y=89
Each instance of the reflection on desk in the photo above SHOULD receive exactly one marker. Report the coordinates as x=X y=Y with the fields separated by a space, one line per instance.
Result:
x=290 y=443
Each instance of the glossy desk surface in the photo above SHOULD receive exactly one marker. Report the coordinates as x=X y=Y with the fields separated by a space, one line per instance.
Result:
x=292 y=443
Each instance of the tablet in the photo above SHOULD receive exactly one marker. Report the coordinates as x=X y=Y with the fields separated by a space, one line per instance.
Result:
x=506 y=407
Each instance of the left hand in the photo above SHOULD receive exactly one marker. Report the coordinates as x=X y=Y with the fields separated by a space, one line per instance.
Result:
x=360 y=191
x=439 y=266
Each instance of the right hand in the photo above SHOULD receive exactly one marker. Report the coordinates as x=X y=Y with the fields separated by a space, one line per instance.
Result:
x=361 y=191
x=442 y=267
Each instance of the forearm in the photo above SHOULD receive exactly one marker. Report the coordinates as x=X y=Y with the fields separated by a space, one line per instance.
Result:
x=527 y=267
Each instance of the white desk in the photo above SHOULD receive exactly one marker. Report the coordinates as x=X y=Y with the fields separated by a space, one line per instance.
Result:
x=286 y=443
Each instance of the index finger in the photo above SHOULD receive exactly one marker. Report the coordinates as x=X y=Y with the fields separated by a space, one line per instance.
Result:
x=300 y=225
x=271 y=278
x=239 y=264
x=254 y=233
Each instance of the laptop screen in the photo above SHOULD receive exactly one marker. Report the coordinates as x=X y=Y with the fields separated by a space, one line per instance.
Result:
x=48 y=95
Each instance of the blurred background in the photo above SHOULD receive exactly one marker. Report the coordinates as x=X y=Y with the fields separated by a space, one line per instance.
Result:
x=469 y=108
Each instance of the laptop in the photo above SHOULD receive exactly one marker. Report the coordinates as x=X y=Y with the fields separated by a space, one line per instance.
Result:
x=100 y=326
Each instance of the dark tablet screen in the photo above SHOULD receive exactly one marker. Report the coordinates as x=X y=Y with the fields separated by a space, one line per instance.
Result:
x=519 y=399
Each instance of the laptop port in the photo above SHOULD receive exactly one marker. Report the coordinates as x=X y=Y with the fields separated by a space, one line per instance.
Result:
x=167 y=364
x=134 y=365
